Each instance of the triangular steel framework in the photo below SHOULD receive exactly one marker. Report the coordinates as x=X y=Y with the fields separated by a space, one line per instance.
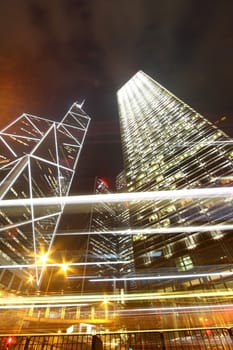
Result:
x=38 y=158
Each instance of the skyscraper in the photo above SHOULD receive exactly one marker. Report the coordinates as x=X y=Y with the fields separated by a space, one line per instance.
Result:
x=107 y=246
x=167 y=145
x=38 y=158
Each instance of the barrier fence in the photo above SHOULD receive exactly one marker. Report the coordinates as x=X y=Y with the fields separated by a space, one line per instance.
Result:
x=211 y=338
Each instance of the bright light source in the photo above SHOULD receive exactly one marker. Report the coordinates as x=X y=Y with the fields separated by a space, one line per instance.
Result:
x=9 y=340
x=105 y=301
x=30 y=279
x=64 y=267
x=43 y=258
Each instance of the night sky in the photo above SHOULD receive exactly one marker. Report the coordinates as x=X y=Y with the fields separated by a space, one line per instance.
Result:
x=55 y=52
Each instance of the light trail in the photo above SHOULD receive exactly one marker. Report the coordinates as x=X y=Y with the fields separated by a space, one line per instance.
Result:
x=193 y=308
x=88 y=298
x=180 y=308
x=61 y=265
x=146 y=278
x=150 y=231
x=7 y=307
x=217 y=192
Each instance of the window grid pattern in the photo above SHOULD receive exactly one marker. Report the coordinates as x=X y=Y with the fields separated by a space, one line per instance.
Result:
x=168 y=145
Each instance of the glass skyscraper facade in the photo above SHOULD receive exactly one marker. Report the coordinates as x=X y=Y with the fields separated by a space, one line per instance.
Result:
x=107 y=246
x=167 y=145
x=38 y=158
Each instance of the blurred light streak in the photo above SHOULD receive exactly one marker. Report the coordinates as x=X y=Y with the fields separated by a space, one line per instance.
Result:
x=193 y=308
x=193 y=275
x=87 y=298
x=41 y=306
x=7 y=307
x=150 y=231
x=61 y=265
x=121 y=197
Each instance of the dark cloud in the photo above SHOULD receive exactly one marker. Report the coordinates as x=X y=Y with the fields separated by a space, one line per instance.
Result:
x=117 y=28
x=206 y=73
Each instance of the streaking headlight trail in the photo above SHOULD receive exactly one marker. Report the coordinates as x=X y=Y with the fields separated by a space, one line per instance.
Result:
x=121 y=197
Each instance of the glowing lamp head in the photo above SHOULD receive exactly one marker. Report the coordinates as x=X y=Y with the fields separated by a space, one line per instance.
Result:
x=42 y=259
x=9 y=340
x=64 y=267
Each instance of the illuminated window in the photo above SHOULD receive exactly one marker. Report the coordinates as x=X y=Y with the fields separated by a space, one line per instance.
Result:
x=139 y=237
x=184 y=263
x=147 y=259
x=216 y=234
x=153 y=218
x=190 y=242
x=168 y=210
x=168 y=251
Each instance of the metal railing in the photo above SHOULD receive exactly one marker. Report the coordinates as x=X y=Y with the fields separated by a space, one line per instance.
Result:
x=47 y=342
x=186 y=339
x=201 y=339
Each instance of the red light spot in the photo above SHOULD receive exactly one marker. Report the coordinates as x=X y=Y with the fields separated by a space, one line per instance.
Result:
x=102 y=182
x=9 y=340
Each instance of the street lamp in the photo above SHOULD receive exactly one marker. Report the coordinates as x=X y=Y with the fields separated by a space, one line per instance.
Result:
x=64 y=267
x=42 y=259
x=30 y=279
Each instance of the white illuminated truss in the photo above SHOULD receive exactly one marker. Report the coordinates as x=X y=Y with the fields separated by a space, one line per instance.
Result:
x=38 y=158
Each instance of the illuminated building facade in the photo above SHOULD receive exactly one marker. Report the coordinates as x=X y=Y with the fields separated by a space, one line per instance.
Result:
x=38 y=158
x=168 y=146
x=109 y=248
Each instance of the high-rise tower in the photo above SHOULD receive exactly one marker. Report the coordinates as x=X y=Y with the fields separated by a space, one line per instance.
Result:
x=38 y=158
x=166 y=146
x=105 y=245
